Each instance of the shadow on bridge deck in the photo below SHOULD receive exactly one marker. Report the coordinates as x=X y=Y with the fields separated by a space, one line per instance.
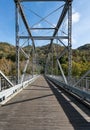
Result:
x=27 y=100
x=76 y=119
x=41 y=106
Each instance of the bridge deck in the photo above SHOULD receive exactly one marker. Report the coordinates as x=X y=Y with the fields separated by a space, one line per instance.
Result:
x=40 y=106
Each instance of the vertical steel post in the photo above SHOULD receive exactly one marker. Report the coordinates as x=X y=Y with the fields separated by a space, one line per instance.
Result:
x=35 y=62
x=0 y=84
x=57 y=55
x=86 y=83
x=17 y=43
x=46 y=66
x=69 y=41
x=52 y=59
x=32 y=61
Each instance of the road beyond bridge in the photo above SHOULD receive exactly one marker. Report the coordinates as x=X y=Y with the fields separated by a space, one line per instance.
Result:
x=41 y=106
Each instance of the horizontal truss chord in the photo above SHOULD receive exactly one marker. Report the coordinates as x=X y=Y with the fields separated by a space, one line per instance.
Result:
x=43 y=37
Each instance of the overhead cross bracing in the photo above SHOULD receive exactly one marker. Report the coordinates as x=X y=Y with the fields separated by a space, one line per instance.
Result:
x=43 y=26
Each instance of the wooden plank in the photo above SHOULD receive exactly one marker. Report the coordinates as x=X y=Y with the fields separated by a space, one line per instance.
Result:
x=40 y=106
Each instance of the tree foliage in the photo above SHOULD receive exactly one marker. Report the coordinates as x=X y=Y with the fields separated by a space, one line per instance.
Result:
x=80 y=64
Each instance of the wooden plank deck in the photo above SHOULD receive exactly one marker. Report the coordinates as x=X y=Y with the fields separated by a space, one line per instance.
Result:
x=41 y=106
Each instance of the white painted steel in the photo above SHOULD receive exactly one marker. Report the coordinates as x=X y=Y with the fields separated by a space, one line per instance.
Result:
x=9 y=92
x=1 y=73
x=65 y=80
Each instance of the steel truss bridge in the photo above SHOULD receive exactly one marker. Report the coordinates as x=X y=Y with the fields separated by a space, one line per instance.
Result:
x=39 y=94
x=66 y=10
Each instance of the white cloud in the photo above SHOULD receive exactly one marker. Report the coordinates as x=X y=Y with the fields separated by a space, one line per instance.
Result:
x=75 y=17
x=73 y=40
x=54 y=25
x=37 y=26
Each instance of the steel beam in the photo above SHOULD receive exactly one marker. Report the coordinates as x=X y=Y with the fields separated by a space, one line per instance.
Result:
x=25 y=68
x=6 y=79
x=33 y=52
x=44 y=37
x=17 y=44
x=62 y=53
x=42 y=28
x=25 y=54
x=26 y=23
x=70 y=41
x=63 y=14
x=41 y=0
x=60 y=67
x=62 y=43
x=87 y=73
x=20 y=10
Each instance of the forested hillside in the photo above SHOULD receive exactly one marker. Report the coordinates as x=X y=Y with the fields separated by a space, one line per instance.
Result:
x=81 y=58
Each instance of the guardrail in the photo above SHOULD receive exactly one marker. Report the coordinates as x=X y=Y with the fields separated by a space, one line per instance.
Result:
x=84 y=81
x=82 y=94
x=83 y=85
x=5 y=85
x=5 y=94
x=4 y=81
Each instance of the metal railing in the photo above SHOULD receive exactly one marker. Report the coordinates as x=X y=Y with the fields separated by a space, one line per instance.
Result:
x=10 y=81
x=81 y=83
x=84 y=84
x=4 y=82
x=82 y=93
x=7 y=93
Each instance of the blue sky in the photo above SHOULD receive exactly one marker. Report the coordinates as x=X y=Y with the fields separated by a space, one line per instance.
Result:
x=80 y=28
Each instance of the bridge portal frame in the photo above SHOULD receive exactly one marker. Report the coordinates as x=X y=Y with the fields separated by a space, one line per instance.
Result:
x=66 y=9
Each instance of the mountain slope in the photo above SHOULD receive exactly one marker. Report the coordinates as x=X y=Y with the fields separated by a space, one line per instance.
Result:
x=84 y=47
x=7 y=51
x=81 y=58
